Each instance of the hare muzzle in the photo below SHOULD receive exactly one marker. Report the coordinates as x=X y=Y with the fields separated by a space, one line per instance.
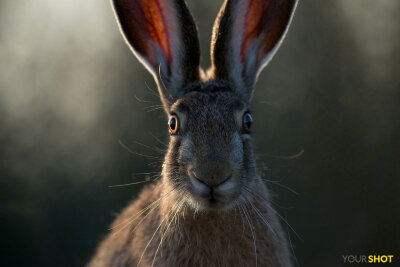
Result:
x=213 y=180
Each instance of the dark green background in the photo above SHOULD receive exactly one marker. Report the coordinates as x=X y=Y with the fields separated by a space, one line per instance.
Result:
x=70 y=90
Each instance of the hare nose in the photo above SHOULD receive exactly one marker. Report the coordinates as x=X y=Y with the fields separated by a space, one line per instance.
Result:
x=213 y=175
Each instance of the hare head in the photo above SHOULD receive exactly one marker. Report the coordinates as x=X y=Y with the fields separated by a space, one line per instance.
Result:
x=210 y=160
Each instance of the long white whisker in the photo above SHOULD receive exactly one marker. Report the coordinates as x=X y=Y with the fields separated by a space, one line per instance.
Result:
x=256 y=194
x=151 y=211
x=134 y=183
x=153 y=109
x=241 y=216
x=265 y=221
x=142 y=100
x=155 y=149
x=136 y=215
x=281 y=185
x=158 y=140
x=292 y=249
x=275 y=211
x=283 y=219
x=247 y=215
x=179 y=206
x=136 y=153
x=152 y=91
x=151 y=239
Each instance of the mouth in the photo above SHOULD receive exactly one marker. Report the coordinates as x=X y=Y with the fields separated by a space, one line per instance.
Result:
x=212 y=202
x=211 y=198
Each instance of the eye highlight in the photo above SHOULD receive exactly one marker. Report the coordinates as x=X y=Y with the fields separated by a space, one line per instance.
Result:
x=173 y=124
x=247 y=122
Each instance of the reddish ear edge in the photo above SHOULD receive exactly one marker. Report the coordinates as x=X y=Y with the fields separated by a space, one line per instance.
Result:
x=246 y=35
x=144 y=25
x=163 y=35
x=268 y=18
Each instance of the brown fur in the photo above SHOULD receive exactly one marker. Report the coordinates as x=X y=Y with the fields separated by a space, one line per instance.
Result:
x=202 y=239
x=209 y=208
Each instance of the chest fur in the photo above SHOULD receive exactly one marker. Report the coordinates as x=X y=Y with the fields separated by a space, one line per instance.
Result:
x=230 y=240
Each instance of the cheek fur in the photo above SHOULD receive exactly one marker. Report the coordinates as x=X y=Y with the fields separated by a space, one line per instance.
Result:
x=237 y=152
x=185 y=155
x=248 y=158
x=173 y=151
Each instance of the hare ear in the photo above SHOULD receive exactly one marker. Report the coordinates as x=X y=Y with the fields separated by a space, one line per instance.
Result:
x=163 y=35
x=247 y=33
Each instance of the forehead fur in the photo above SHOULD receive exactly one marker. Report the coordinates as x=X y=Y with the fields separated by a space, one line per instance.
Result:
x=216 y=96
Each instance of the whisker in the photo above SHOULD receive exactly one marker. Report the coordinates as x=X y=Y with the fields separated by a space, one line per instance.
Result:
x=153 y=106
x=144 y=101
x=274 y=210
x=146 y=180
x=154 y=109
x=260 y=196
x=136 y=153
x=252 y=232
x=234 y=220
x=155 y=163
x=283 y=219
x=241 y=216
x=158 y=139
x=291 y=248
x=161 y=223
x=155 y=149
x=153 y=92
x=134 y=183
x=145 y=173
x=136 y=215
x=169 y=224
x=149 y=213
x=265 y=221
x=295 y=156
x=281 y=185
x=151 y=239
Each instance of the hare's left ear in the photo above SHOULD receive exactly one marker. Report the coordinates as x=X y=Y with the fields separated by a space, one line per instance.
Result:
x=247 y=33
x=163 y=35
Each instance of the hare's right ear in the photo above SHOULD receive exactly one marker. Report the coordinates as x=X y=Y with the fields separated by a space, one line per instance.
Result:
x=247 y=33
x=163 y=35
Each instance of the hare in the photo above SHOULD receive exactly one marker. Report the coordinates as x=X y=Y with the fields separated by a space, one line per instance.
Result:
x=209 y=208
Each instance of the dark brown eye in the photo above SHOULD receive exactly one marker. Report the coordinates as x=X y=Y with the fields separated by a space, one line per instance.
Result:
x=247 y=121
x=173 y=124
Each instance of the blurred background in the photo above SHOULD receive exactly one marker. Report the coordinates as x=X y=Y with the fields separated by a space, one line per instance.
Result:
x=71 y=92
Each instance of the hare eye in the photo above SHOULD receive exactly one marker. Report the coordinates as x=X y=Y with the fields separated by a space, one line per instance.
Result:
x=247 y=121
x=173 y=124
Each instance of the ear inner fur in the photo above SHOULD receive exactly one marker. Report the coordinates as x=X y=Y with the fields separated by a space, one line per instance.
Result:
x=156 y=26
x=267 y=18
x=163 y=35
x=146 y=19
x=247 y=33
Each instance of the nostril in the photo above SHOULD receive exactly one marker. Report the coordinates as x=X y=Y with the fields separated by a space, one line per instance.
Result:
x=226 y=179
x=198 y=178
x=213 y=181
